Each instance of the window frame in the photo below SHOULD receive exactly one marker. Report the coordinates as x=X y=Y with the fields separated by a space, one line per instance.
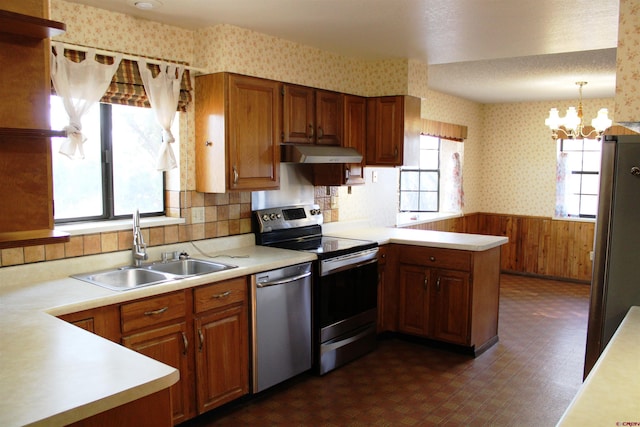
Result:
x=107 y=175
x=582 y=172
x=405 y=170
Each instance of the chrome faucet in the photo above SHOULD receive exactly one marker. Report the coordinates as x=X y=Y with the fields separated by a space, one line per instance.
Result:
x=139 y=249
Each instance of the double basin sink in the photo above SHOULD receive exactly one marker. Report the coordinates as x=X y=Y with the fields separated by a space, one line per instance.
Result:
x=133 y=277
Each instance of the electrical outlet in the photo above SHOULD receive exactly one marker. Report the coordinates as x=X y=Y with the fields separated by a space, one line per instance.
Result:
x=374 y=176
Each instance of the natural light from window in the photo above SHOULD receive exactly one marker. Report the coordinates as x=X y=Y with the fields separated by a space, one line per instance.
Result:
x=578 y=178
x=118 y=174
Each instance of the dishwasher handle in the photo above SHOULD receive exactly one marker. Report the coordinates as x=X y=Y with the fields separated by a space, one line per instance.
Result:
x=284 y=280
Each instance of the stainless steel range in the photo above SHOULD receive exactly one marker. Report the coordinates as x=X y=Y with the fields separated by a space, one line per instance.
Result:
x=344 y=286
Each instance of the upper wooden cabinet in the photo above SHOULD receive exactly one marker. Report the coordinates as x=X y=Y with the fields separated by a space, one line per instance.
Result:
x=391 y=120
x=238 y=127
x=354 y=136
x=312 y=116
x=26 y=187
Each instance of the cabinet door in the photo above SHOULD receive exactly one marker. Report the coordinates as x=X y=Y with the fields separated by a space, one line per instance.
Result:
x=222 y=357
x=355 y=135
x=102 y=321
x=414 y=299
x=253 y=131
x=329 y=118
x=450 y=306
x=385 y=131
x=169 y=345
x=298 y=114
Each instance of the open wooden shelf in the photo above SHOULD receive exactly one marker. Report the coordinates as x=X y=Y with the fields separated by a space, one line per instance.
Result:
x=32 y=133
x=29 y=26
x=14 y=239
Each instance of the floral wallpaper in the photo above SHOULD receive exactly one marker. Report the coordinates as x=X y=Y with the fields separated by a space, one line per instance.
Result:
x=627 y=106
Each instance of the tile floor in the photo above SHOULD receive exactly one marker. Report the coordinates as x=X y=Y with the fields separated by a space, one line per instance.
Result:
x=527 y=379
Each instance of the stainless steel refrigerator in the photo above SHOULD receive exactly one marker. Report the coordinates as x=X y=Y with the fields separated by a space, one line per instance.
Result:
x=615 y=285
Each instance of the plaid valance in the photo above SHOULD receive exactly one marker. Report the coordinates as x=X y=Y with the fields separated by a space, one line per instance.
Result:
x=126 y=86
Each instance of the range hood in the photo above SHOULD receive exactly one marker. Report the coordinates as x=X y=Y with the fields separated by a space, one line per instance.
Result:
x=319 y=154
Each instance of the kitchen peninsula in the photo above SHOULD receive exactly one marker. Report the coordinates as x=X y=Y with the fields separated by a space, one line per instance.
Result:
x=53 y=373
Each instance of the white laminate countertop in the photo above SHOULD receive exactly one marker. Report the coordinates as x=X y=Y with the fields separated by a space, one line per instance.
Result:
x=408 y=236
x=610 y=394
x=53 y=373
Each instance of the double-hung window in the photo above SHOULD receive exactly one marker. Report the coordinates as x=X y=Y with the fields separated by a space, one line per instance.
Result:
x=578 y=178
x=420 y=186
x=118 y=174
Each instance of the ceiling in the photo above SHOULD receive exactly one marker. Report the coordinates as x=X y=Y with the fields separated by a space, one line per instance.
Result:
x=487 y=51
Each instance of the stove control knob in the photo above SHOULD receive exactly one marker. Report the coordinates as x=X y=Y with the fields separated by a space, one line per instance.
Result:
x=265 y=217
x=273 y=216
x=315 y=211
x=278 y=216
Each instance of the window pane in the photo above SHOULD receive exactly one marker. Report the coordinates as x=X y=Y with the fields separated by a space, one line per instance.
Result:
x=590 y=184
x=589 y=205
x=77 y=183
x=591 y=161
x=572 y=145
x=408 y=201
x=429 y=142
x=429 y=201
x=429 y=181
x=429 y=159
x=409 y=181
x=136 y=140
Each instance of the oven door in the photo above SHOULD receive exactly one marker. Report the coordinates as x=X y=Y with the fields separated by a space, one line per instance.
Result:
x=345 y=313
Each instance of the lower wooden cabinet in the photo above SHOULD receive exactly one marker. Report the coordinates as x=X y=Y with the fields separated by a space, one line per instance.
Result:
x=443 y=294
x=202 y=332
x=222 y=355
x=169 y=345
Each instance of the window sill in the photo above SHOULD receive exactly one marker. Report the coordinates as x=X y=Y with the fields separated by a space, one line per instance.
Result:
x=404 y=219
x=116 y=225
x=573 y=218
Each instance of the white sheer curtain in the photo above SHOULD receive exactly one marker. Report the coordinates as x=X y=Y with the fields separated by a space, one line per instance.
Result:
x=80 y=84
x=561 y=186
x=163 y=92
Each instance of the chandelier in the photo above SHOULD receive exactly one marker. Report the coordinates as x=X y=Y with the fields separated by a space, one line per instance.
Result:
x=571 y=126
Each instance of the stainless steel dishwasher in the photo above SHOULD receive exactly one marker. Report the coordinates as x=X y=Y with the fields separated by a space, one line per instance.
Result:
x=281 y=325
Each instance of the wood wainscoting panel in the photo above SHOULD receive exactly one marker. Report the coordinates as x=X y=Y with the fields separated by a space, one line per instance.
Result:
x=538 y=246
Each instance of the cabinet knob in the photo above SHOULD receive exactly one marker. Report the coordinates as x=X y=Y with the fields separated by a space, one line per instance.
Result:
x=432 y=258
x=208 y=143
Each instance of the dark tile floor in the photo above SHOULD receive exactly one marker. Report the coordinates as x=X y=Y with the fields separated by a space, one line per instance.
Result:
x=527 y=379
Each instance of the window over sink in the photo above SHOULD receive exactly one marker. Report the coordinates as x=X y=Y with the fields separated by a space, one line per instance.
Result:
x=118 y=174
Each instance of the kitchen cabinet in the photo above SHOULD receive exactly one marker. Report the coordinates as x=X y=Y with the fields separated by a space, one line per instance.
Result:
x=222 y=357
x=238 y=129
x=157 y=327
x=392 y=122
x=354 y=136
x=312 y=116
x=102 y=321
x=448 y=295
x=203 y=332
x=26 y=187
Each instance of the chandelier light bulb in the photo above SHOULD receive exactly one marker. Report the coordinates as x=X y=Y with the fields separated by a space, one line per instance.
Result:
x=572 y=120
x=602 y=121
x=553 y=121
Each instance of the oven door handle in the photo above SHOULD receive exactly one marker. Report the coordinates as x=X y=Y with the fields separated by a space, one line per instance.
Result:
x=284 y=281
x=326 y=272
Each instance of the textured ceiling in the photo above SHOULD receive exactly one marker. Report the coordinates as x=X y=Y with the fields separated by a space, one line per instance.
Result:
x=484 y=50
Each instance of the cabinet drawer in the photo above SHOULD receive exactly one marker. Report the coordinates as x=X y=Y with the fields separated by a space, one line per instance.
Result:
x=436 y=257
x=153 y=311
x=219 y=294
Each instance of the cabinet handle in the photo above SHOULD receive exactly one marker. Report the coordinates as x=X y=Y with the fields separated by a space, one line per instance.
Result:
x=185 y=341
x=201 y=336
x=426 y=282
x=208 y=143
x=320 y=132
x=156 y=312
x=438 y=284
x=347 y=173
x=310 y=132
x=222 y=295
x=395 y=152
x=235 y=175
